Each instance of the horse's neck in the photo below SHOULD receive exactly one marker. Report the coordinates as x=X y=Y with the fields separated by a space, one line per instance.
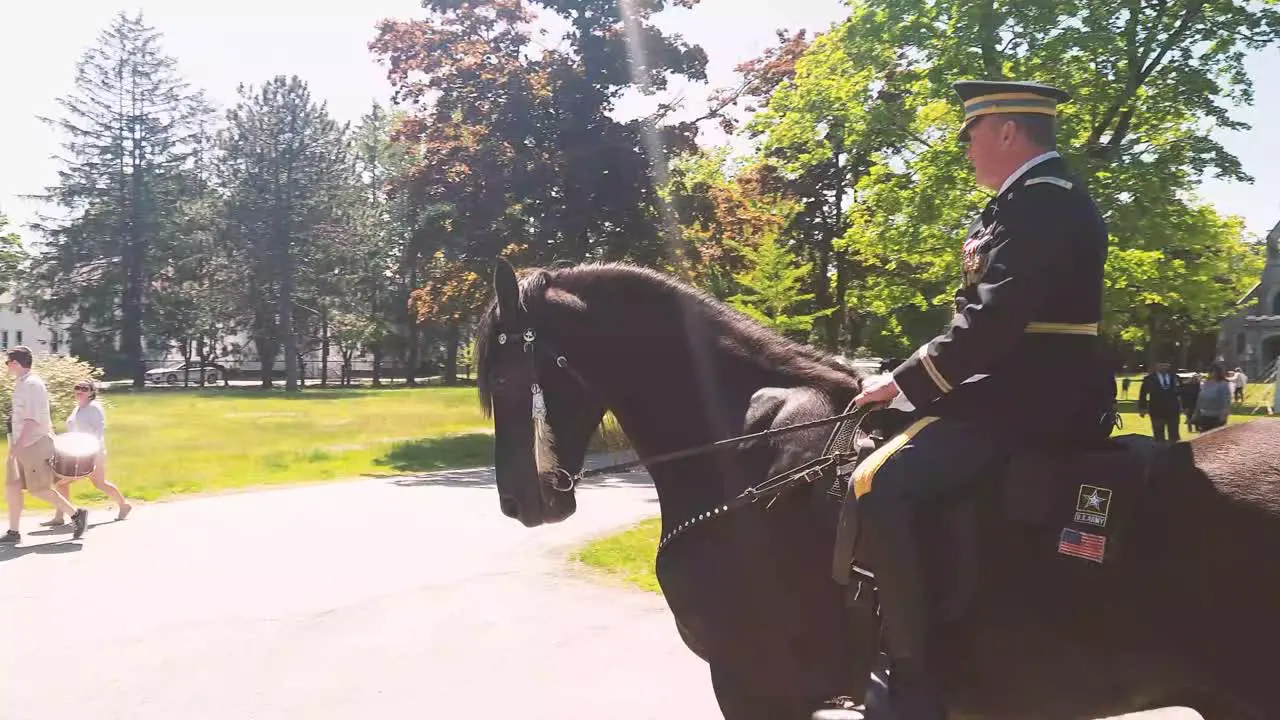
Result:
x=688 y=412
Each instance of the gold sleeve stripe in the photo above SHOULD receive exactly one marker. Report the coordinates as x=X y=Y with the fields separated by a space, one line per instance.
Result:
x=932 y=370
x=865 y=473
x=1052 y=328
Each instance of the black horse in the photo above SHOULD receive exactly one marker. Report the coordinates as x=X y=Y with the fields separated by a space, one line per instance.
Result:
x=1188 y=613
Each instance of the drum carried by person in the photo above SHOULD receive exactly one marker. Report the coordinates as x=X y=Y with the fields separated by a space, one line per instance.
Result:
x=75 y=455
x=82 y=451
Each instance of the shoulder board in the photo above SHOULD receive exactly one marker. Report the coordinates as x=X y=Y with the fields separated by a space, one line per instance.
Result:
x=1065 y=184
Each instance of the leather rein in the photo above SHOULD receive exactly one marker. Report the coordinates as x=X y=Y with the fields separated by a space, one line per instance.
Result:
x=839 y=448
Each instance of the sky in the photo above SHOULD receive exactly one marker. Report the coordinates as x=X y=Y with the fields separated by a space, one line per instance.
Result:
x=220 y=45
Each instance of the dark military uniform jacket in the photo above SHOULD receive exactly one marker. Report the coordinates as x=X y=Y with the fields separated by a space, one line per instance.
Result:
x=1027 y=317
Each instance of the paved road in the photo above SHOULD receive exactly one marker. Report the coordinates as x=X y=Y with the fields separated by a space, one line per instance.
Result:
x=353 y=600
x=406 y=598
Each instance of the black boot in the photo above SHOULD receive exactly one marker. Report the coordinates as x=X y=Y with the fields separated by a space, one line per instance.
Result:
x=889 y=546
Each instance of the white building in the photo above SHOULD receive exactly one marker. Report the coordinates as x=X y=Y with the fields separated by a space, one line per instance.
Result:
x=20 y=326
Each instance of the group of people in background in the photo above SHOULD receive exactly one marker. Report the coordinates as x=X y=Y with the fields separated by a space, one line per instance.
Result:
x=29 y=465
x=1203 y=403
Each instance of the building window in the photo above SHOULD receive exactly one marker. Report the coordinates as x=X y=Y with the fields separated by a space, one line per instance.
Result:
x=17 y=334
x=4 y=339
x=1240 y=344
x=1275 y=303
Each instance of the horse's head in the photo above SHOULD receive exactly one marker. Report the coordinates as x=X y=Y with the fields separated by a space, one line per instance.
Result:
x=543 y=412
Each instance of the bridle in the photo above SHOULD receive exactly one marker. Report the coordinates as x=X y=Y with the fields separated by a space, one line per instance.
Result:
x=841 y=448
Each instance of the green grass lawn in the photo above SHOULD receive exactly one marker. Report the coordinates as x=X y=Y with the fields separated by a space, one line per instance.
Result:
x=164 y=443
x=629 y=554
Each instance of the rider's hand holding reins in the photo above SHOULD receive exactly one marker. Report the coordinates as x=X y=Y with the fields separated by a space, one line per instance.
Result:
x=877 y=389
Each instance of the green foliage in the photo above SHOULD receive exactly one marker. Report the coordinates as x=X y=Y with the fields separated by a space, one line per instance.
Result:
x=772 y=285
x=128 y=130
x=1149 y=83
x=60 y=374
x=12 y=255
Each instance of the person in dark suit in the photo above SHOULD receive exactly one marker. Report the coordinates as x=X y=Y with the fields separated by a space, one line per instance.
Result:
x=1159 y=396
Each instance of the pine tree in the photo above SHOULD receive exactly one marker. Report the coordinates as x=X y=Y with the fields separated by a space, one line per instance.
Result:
x=286 y=169
x=127 y=129
x=12 y=254
x=772 y=288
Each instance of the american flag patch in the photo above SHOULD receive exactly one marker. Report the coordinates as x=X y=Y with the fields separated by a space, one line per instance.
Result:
x=1082 y=545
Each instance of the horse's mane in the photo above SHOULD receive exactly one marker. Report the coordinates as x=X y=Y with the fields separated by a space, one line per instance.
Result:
x=751 y=340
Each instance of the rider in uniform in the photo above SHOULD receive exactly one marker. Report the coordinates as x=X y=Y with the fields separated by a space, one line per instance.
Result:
x=1027 y=314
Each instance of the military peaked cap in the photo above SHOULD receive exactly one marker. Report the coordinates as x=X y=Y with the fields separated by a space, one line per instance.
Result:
x=984 y=97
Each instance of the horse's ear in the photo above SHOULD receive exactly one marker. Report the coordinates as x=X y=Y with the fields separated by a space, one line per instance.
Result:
x=507 y=288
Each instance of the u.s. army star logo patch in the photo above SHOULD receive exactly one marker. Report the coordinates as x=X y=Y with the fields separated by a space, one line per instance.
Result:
x=1093 y=504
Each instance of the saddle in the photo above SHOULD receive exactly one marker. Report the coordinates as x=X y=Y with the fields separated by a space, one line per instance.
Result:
x=1073 y=504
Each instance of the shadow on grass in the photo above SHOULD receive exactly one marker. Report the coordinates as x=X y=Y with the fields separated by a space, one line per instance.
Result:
x=439 y=453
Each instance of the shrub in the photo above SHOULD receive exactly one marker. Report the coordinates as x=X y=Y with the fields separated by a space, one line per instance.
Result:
x=60 y=374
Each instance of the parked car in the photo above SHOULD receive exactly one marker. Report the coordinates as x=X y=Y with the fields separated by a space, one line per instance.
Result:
x=174 y=374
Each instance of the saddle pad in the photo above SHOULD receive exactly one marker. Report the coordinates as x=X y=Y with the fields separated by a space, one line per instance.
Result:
x=1083 y=501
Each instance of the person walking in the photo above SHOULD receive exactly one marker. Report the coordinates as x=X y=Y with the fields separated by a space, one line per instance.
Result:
x=89 y=417
x=29 y=463
x=1213 y=406
x=1189 y=393
x=1159 y=397
x=1239 y=381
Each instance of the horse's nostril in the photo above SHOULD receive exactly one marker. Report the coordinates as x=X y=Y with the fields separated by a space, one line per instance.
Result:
x=510 y=506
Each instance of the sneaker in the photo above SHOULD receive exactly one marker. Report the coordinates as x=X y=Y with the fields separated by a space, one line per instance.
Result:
x=80 y=519
x=13 y=537
x=124 y=511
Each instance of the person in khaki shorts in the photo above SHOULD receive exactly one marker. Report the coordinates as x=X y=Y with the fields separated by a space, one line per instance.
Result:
x=31 y=448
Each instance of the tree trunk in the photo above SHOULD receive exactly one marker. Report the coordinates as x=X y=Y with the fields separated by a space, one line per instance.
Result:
x=267 y=348
x=324 y=348
x=451 y=353
x=131 y=307
x=1153 y=340
x=285 y=312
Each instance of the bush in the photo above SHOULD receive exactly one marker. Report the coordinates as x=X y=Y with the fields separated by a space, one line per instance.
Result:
x=60 y=374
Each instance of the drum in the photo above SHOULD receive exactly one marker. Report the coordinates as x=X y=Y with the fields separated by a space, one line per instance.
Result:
x=75 y=454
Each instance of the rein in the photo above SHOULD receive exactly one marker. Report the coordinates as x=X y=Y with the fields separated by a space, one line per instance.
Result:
x=720 y=444
x=770 y=489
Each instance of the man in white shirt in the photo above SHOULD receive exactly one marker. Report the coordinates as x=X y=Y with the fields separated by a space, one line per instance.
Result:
x=29 y=465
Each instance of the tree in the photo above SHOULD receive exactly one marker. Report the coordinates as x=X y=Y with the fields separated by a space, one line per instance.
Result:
x=771 y=288
x=825 y=128
x=518 y=142
x=195 y=294
x=128 y=128
x=1150 y=81
x=285 y=168
x=12 y=255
